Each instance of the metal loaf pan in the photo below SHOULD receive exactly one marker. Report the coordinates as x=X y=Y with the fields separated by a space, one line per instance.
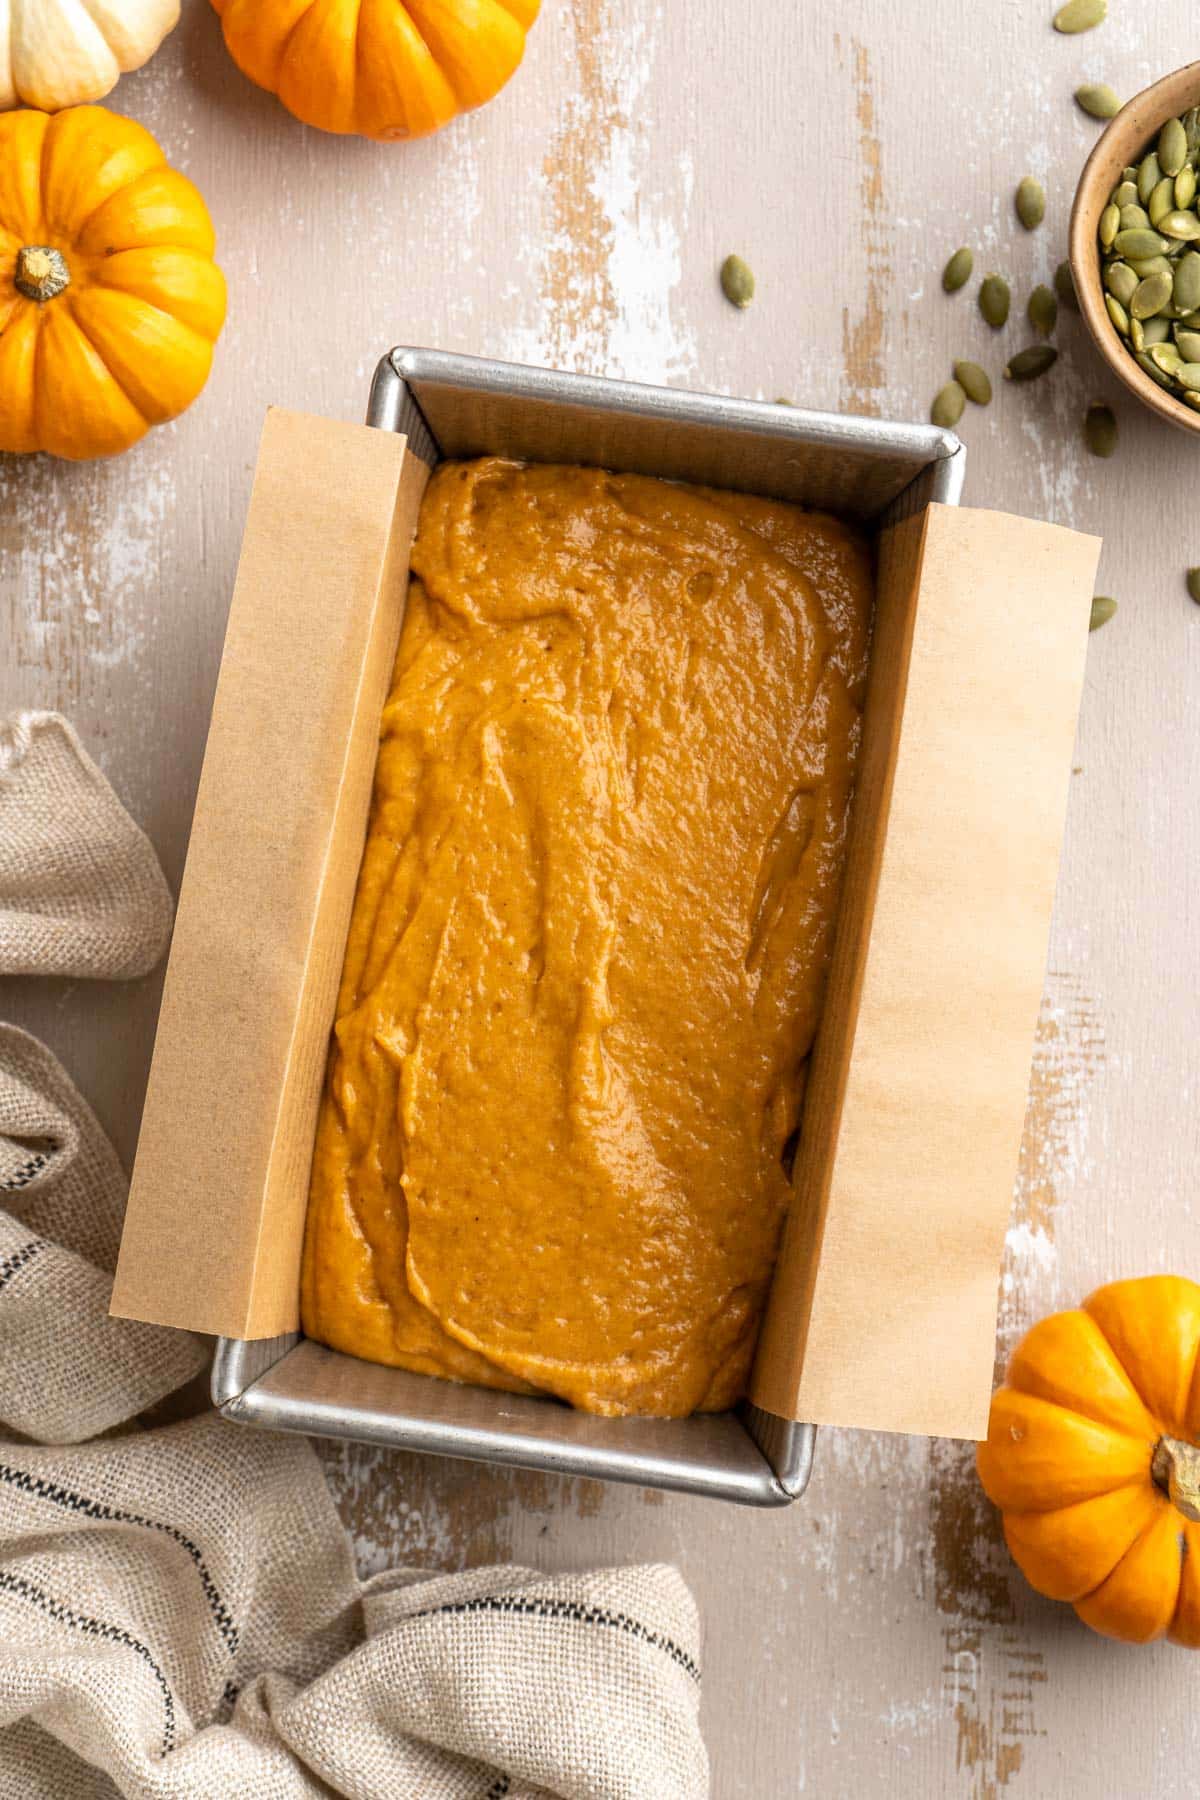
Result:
x=459 y=406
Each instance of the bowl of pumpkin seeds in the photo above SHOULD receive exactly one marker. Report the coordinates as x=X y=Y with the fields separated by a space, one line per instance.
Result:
x=1135 y=246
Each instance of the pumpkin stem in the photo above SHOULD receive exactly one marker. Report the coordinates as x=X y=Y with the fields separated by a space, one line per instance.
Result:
x=1175 y=1466
x=41 y=273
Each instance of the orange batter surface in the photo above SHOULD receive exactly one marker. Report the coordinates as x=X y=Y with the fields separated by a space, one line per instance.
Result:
x=590 y=937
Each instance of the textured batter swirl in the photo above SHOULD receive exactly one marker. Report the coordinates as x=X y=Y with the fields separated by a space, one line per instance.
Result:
x=590 y=936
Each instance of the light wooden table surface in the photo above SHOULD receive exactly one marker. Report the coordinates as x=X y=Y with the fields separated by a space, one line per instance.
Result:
x=874 y=1639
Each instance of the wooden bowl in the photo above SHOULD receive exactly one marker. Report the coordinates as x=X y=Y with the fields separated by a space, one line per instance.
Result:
x=1125 y=141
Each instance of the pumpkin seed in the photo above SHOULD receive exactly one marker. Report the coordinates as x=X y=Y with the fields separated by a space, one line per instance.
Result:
x=948 y=403
x=1166 y=358
x=1192 y=400
x=1185 y=186
x=737 y=281
x=957 y=271
x=1162 y=200
x=1125 y=193
x=1172 y=147
x=1031 y=202
x=994 y=300
x=1098 y=100
x=1193 y=584
x=1150 y=296
x=1180 y=225
x=1149 y=265
x=1151 y=369
x=1120 y=281
x=974 y=382
x=1064 y=287
x=1148 y=177
x=1133 y=216
x=1117 y=314
x=1103 y=608
x=1028 y=364
x=1139 y=242
x=1080 y=15
x=1100 y=429
x=1188 y=373
x=1042 y=310
x=1137 y=334
x=1188 y=344
x=1187 y=281
x=1154 y=331
x=1110 y=223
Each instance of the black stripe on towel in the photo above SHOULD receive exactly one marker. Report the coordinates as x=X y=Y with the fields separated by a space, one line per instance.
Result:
x=62 y=1614
x=27 y=1172
x=98 y=1509
x=499 y=1788
x=13 y=1264
x=542 y=1607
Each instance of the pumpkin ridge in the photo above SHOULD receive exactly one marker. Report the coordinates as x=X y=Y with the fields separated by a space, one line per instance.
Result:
x=83 y=224
x=1128 y=1373
x=286 y=41
x=1131 y=1546
x=84 y=333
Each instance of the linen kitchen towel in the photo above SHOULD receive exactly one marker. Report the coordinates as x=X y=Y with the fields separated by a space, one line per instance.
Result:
x=180 y=1616
x=81 y=892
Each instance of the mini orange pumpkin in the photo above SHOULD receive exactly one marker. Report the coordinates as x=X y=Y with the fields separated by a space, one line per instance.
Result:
x=110 y=302
x=1092 y=1457
x=378 y=68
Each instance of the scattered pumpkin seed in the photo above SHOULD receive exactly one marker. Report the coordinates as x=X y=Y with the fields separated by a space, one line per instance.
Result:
x=1139 y=242
x=1098 y=100
x=1117 y=314
x=1064 y=287
x=1103 y=608
x=974 y=381
x=1028 y=364
x=948 y=403
x=1100 y=429
x=1148 y=177
x=1042 y=310
x=1031 y=202
x=994 y=300
x=1150 y=296
x=1193 y=584
x=737 y=281
x=1080 y=15
x=957 y=271
x=1172 y=147
x=1110 y=223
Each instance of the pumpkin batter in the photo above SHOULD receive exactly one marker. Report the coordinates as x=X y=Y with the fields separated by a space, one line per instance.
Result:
x=590 y=937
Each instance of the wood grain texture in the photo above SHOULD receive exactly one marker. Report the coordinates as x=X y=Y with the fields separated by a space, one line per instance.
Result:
x=873 y=1639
